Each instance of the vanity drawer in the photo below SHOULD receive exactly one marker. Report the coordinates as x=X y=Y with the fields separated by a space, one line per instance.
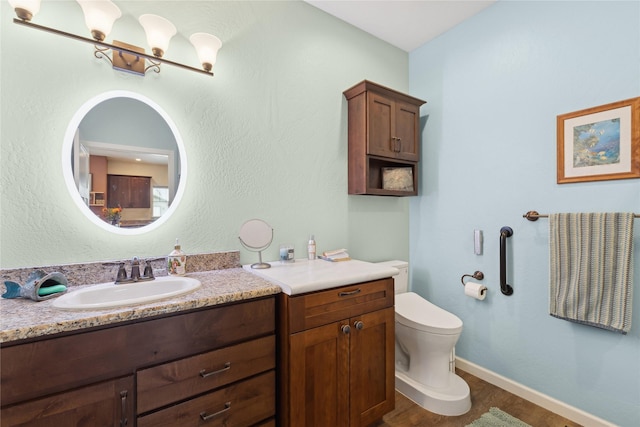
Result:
x=171 y=382
x=320 y=308
x=56 y=364
x=245 y=403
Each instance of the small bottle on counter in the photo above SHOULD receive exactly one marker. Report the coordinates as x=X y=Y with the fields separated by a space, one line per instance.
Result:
x=311 y=247
x=177 y=261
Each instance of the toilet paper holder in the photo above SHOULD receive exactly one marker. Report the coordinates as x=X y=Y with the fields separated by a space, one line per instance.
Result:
x=478 y=275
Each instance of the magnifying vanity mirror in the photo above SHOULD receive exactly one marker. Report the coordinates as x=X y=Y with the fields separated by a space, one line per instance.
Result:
x=256 y=235
x=124 y=162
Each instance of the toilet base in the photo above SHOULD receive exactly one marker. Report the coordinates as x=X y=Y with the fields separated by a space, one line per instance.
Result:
x=451 y=401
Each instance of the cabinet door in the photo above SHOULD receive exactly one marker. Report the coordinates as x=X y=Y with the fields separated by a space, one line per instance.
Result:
x=129 y=191
x=140 y=187
x=407 y=119
x=118 y=191
x=106 y=404
x=372 y=366
x=380 y=126
x=393 y=128
x=319 y=377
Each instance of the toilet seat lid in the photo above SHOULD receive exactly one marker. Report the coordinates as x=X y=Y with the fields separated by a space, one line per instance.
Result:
x=416 y=312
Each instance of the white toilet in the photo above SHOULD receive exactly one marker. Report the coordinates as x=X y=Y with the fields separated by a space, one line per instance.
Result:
x=425 y=339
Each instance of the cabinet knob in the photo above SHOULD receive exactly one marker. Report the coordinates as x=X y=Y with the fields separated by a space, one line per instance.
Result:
x=346 y=329
x=358 y=324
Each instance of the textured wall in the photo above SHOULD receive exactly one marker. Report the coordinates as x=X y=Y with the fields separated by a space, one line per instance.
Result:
x=266 y=137
x=496 y=84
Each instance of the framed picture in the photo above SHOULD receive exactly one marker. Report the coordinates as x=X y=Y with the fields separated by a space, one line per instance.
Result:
x=600 y=143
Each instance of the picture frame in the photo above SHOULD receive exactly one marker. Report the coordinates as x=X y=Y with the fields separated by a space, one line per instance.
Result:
x=599 y=143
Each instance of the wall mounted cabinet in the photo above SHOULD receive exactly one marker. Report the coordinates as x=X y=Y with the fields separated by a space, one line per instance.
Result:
x=337 y=356
x=384 y=132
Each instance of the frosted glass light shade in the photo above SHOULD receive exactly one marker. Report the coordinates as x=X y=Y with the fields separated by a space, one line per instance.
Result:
x=99 y=15
x=25 y=9
x=207 y=46
x=159 y=32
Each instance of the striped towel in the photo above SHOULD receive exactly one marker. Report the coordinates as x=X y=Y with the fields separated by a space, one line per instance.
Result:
x=591 y=269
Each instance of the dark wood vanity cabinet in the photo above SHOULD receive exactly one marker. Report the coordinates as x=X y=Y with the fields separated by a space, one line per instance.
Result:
x=337 y=356
x=384 y=132
x=215 y=365
x=128 y=191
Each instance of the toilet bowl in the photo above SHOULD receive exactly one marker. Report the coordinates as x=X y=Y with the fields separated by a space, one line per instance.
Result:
x=425 y=338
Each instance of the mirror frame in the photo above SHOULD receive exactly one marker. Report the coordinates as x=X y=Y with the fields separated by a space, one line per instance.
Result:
x=67 y=169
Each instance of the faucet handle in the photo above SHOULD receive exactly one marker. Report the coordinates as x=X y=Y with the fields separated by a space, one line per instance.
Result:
x=148 y=271
x=135 y=268
x=122 y=273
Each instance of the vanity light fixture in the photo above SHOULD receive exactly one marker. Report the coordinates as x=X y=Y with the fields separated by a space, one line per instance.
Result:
x=100 y=16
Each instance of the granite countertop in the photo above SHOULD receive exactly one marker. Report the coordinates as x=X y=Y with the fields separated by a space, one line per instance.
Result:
x=23 y=318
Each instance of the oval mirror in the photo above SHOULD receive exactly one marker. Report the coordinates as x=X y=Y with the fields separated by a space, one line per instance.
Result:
x=124 y=162
x=256 y=235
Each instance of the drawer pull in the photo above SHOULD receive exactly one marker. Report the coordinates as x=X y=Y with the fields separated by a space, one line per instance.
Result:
x=123 y=408
x=205 y=374
x=349 y=293
x=207 y=417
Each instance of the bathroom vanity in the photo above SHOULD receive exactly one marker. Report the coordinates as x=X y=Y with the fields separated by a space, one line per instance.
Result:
x=207 y=356
x=336 y=347
x=311 y=346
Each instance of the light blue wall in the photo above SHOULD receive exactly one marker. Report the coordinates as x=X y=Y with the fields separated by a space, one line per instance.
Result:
x=266 y=137
x=494 y=87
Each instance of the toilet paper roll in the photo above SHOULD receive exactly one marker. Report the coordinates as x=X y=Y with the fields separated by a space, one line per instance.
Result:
x=475 y=290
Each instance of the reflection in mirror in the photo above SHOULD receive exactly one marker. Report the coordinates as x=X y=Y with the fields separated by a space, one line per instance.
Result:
x=124 y=162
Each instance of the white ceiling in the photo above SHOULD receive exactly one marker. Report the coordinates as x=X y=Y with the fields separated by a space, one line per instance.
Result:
x=406 y=24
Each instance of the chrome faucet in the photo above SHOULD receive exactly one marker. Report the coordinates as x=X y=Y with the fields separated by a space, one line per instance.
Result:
x=135 y=272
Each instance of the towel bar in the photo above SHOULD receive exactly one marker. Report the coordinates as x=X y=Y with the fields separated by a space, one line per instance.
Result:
x=533 y=215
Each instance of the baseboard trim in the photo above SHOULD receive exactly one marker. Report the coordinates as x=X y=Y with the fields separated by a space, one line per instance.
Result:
x=574 y=414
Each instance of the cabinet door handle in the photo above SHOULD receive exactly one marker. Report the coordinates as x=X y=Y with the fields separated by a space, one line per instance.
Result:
x=358 y=324
x=398 y=145
x=207 y=417
x=123 y=408
x=205 y=374
x=349 y=293
x=346 y=329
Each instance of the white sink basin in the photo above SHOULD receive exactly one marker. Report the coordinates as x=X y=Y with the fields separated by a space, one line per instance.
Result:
x=110 y=295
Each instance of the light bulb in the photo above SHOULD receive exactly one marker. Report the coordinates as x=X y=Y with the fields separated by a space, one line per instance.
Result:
x=25 y=9
x=159 y=32
x=207 y=46
x=99 y=15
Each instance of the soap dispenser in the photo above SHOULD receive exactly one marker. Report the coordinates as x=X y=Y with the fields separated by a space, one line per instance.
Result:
x=177 y=261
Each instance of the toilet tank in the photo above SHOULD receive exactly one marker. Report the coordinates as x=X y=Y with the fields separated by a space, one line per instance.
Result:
x=401 y=280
